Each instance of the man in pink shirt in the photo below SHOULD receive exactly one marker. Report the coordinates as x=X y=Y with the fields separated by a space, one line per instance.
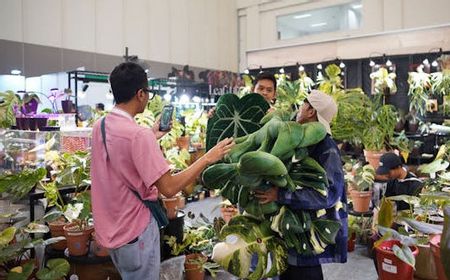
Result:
x=126 y=163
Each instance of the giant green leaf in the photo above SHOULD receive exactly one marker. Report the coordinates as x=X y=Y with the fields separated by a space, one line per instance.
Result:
x=56 y=269
x=235 y=117
x=327 y=230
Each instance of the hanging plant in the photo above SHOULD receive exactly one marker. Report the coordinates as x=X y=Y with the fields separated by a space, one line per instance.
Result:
x=383 y=81
x=331 y=83
x=441 y=82
x=419 y=86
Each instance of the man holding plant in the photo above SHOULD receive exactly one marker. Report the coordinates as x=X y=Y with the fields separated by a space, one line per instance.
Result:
x=318 y=106
x=128 y=168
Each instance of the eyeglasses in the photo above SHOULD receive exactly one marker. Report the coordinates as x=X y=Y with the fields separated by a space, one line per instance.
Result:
x=151 y=93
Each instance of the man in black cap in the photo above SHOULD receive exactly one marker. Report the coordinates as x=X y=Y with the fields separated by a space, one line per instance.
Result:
x=401 y=181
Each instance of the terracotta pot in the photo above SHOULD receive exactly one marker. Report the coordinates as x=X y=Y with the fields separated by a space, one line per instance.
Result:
x=77 y=240
x=57 y=229
x=228 y=213
x=361 y=200
x=435 y=244
x=373 y=157
x=171 y=205
x=351 y=242
x=425 y=264
x=183 y=142
x=98 y=249
x=192 y=268
x=389 y=266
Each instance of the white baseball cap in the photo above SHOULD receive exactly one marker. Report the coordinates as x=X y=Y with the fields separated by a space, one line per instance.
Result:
x=325 y=107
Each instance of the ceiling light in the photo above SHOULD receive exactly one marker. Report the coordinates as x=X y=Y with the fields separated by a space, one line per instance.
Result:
x=16 y=72
x=388 y=63
x=342 y=64
x=319 y=24
x=246 y=71
x=426 y=62
x=196 y=99
x=372 y=63
x=281 y=70
x=357 y=6
x=302 y=16
x=392 y=68
x=434 y=63
x=319 y=66
x=301 y=68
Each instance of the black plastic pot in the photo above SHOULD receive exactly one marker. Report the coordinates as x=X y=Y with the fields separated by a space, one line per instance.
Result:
x=67 y=106
x=174 y=228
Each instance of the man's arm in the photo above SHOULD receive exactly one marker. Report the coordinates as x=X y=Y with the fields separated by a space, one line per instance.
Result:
x=169 y=185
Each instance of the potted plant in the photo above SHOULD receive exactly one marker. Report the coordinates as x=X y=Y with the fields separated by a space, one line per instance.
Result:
x=79 y=229
x=195 y=244
x=419 y=87
x=361 y=193
x=383 y=81
x=7 y=114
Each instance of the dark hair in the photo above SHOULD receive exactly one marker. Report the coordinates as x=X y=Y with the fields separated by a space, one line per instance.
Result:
x=266 y=76
x=100 y=106
x=126 y=79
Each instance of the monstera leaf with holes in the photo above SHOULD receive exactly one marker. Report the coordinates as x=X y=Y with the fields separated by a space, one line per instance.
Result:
x=235 y=117
x=244 y=237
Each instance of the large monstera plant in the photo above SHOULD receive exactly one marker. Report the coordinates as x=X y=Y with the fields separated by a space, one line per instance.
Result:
x=235 y=117
x=244 y=237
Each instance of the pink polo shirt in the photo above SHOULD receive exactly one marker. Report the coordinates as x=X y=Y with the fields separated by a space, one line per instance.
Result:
x=135 y=162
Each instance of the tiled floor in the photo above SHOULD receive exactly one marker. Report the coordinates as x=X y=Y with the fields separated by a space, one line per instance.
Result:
x=358 y=267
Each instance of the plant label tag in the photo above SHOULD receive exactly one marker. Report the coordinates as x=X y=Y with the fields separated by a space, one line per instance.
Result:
x=388 y=261
x=389 y=268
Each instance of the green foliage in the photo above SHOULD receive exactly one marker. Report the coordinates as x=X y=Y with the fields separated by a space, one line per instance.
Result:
x=331 y=82
x=292 y=93
x=384 y=81
x=195 y=240
x=351 y=118
x=235 y=117
x=441 y=82
x=76 y=169
x=21 y=272
x=419 y=86
x=179 y=159
x=20 y=184
x=55 y=269
x=7 y=116
x=364 y=178
x=243 y=237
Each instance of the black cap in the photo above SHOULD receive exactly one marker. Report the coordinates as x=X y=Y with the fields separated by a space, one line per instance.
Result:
x=388 y=161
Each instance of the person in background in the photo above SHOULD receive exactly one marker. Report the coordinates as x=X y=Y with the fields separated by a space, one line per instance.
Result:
x=321 y=107
x=264 y=84
x=129 y=168
x=401 y=181
x=99 y=107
